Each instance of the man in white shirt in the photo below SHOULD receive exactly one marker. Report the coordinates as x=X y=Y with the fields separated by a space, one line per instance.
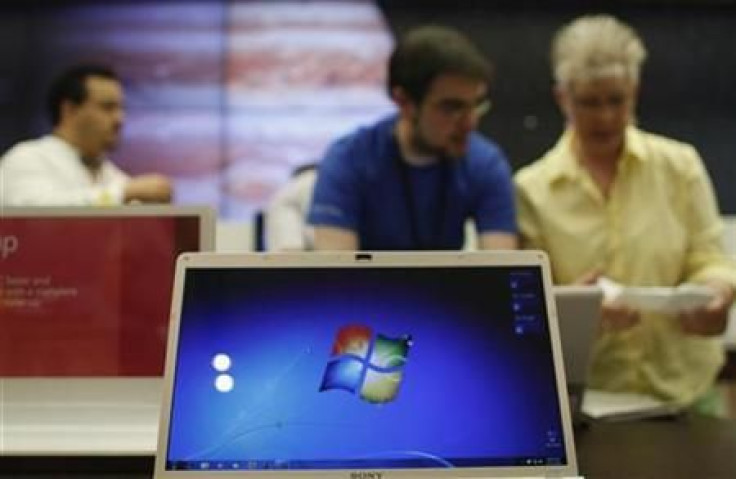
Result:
x=69 y=167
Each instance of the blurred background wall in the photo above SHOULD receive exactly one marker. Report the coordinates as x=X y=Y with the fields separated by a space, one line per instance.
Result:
x=229 y=96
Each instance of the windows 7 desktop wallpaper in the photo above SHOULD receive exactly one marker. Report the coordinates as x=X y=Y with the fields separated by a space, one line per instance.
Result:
x=328 y=368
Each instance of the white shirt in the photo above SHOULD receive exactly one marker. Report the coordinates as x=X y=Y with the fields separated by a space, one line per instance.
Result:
x=48 y=171
x=285 y=220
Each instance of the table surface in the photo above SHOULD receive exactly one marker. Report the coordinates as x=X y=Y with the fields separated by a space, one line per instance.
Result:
x=684 y=447
x=59 y=416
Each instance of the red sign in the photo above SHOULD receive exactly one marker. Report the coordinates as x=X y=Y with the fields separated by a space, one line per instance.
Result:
x=88 y=296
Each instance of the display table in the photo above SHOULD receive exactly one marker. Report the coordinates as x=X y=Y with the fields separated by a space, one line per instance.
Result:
x=79 y=417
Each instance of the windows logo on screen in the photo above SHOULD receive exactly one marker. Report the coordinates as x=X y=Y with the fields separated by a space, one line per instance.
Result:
x=363 y=364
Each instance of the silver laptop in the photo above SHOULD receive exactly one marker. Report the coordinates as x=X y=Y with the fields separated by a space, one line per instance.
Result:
x=85 y=296
x=578 y=311
x=364 y=366
x=86 y=291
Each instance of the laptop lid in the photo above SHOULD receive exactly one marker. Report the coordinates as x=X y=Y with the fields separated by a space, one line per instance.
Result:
x=364 y=365
x=578 y=313
x=86 y=292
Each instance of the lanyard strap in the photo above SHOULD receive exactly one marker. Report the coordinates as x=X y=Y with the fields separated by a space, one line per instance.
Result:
x=435 y=241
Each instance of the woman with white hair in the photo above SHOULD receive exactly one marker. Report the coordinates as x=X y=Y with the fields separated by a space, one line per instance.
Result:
x=612 y=200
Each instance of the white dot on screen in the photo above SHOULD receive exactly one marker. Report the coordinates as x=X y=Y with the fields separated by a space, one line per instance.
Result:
x=224 y=383
x=221 y=362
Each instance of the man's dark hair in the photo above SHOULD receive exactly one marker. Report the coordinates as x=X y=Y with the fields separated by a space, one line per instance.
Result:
x=427 y=52
x=70 y=86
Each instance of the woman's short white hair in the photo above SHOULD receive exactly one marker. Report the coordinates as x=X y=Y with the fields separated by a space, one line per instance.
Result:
x=596 y=46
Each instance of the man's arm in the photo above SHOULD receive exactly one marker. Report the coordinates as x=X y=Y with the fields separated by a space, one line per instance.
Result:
x=495 y=215
x=498 y=240
x=149 y=188
x=334 y=212
x=331 y=238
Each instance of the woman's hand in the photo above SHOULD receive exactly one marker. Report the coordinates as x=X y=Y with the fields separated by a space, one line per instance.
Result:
x=711 y=319
x=617 y=318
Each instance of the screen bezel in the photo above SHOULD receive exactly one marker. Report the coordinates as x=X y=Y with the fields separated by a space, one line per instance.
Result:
x=365 y=260
x=205 y=214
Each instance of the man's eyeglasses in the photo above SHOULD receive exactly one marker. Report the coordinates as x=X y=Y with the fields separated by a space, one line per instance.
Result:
x=456 y=109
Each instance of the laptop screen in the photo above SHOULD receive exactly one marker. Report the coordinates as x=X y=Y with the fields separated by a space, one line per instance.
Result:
x=309 y=368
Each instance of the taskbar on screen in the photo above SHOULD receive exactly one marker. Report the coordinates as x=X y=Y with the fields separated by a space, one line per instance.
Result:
x=428 y=462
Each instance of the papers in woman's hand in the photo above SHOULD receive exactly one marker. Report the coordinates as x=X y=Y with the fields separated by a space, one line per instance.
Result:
x=678 y=299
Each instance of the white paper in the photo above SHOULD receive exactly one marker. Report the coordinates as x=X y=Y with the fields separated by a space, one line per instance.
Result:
x=624 y=406
x=678 y=299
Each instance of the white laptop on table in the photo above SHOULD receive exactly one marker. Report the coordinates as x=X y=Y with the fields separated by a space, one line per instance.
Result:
x=364 y=366
x=84 y=312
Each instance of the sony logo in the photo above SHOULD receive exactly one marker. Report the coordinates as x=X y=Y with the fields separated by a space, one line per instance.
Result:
x=8 y=246
x=366 y=475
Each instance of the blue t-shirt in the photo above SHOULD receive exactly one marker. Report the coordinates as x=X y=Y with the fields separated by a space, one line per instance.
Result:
x=361 y=187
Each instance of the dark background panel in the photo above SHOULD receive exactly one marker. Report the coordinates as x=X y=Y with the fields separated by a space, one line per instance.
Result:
x=687 y=89
x=15 y=48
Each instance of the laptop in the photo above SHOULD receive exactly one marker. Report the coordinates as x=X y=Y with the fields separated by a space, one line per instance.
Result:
x=86 y=292
x=364 y=366
x=578 y=312
x=85 y=298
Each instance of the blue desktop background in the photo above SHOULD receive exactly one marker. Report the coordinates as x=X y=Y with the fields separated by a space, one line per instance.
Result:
x=474 y=392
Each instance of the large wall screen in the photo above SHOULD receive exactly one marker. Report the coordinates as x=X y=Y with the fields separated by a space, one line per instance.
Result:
x=227 y=97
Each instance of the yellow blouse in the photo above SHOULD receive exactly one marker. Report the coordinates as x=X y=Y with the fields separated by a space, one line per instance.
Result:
x=660 y=226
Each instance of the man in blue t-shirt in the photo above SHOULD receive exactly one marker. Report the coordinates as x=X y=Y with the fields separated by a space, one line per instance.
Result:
x=410 y=181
